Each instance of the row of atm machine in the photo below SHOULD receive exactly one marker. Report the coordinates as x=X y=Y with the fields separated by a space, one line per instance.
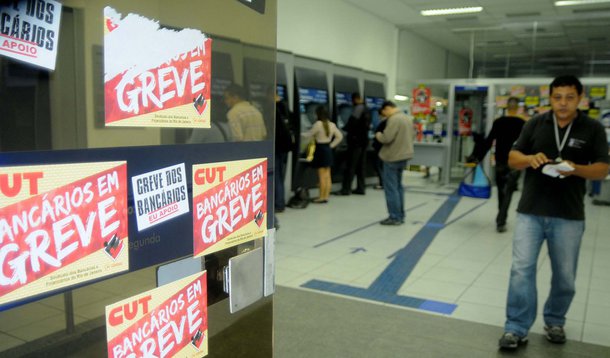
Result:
x=306 y=83
x=303 y=83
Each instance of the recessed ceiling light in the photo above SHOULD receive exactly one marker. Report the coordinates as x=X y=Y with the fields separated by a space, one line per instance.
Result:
x=579 y=2
x=452 y=11
x=399 y=97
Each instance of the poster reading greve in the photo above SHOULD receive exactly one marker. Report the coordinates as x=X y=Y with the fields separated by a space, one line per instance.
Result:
x=154 y=76
x=229 y=204
x=61 y=225
x=29 y=31
x=169 y=321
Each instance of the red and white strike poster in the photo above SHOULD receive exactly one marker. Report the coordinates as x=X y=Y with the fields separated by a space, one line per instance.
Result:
x=61 y=225
x=168 y=321
x=155 y=77
x=229 y=204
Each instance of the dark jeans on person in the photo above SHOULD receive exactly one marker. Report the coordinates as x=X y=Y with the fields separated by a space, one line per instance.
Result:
x=392 y=187
x=280 y=176
x=506 y=180
x=354 y=165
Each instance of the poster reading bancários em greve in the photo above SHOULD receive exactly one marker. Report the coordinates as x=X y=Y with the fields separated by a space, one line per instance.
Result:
x=229 y=204
x=160 y=195
x=29 y=31
x=155 y=77
x=169 y=321
x=61 y=225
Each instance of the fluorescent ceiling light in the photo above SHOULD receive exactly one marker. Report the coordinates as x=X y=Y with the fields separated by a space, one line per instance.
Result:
x=400 y=97
x=579 y=2
x=453 y=11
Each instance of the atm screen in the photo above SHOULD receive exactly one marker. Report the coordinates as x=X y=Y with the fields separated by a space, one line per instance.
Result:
x=343 y=101
x=281 y=92
x=309 y=99
x=374 y=104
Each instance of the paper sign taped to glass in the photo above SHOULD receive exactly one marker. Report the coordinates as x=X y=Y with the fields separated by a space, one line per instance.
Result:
x=169 y=321
x=229 y=204
x=61 y=225
x=154 y=76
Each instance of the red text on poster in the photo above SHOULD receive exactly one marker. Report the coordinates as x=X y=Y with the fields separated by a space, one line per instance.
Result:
x=58 y=228
x=169 y=321
x=229 y=204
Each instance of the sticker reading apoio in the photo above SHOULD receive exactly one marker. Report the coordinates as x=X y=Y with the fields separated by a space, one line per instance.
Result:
x=229 y=204
x=61 y=225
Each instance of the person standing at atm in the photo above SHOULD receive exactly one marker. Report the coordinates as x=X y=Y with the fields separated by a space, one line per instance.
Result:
x=245 y=120
x=504 y=132
x=327 y=137
x=397 y=148
x=357 y=133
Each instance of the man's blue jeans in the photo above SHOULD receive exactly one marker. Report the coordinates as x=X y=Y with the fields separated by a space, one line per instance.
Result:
x=563 y=239
x=392 y=186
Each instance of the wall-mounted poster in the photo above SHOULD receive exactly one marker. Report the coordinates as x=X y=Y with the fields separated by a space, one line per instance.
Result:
x=155 y=77
x=168 y=321
x=61 y=225
x=229 y=204
x=29 y=31
x=160 y=195
x=422 y=100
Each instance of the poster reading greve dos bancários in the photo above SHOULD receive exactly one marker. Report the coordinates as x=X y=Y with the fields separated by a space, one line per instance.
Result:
x=229 y=204
x=169 y=321
x=29 y=31
x=155 y=77
x=61 y=225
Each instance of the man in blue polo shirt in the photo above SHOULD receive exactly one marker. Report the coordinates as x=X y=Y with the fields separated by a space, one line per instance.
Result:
x=559 y=150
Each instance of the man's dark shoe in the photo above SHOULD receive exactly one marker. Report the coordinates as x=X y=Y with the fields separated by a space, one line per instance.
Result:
x=511 y=341
x=555 y=334
x=501 y=228
x=358 y=192
x=340 y=192
x=390 y=221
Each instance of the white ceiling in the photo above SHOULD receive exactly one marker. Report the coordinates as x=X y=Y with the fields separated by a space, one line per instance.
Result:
x=524 y=36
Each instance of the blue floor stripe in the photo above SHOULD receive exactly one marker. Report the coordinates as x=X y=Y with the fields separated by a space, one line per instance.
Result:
x=386 y=297
x=386 y=286
x=397 y=272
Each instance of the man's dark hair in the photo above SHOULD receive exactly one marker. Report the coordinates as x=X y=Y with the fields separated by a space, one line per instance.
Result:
x=513 y=99
x=566 y=81
x=388 y=104
x=235 y=90
x=356 y=96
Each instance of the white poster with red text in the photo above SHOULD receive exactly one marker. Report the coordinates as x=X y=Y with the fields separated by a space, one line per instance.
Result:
x=29 y=31
x=229 y=204
x=168 y=321
x=160 y=195
x=61 y=225
x=155 y=77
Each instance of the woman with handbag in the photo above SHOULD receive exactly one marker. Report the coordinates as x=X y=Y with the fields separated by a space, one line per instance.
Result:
x=326 y=136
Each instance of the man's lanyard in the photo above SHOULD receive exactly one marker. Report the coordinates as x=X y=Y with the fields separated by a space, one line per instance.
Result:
x=561 y=144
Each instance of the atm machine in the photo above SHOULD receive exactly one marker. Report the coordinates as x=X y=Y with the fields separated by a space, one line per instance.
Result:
x=374 y=96
x=344 y=87
x=311 y=91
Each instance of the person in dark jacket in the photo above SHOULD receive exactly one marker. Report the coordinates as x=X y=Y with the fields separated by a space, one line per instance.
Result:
x=284 y=142
x=357 y=129
x=504 y=133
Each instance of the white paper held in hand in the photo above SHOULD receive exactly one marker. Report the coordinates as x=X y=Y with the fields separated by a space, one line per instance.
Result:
x=554 y=169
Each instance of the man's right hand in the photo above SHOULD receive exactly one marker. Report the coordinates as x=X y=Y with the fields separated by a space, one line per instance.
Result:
x=537 y=160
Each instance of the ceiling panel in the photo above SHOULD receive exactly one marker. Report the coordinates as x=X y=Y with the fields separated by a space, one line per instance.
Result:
x=531 y=28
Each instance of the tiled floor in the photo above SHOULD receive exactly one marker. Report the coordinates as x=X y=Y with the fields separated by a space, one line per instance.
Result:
x=467 y=264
